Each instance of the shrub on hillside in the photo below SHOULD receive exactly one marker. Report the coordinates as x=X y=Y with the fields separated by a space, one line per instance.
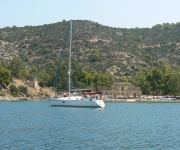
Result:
x=1 y=87
x=1 y=94
x=41 y=83
x=23 y=89
x=14 y=94
x=13 y=88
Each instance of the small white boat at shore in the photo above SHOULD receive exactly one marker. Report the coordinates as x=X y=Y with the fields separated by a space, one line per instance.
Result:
x=131 y=100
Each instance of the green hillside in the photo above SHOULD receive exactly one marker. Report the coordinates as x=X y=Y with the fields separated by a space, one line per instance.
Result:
x=95 y=47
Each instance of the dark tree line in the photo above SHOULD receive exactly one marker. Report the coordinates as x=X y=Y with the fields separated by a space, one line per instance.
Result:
x=163 y=80
x=79 y=78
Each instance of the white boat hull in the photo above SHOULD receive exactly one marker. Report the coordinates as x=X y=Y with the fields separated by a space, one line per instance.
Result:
x=76 y=102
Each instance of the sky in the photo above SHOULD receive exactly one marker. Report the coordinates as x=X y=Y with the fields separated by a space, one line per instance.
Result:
x=112 y=13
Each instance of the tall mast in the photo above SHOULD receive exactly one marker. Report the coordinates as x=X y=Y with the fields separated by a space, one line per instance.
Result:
x=69 y=71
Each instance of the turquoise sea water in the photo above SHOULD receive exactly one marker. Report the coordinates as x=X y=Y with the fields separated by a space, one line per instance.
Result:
x=34 y=125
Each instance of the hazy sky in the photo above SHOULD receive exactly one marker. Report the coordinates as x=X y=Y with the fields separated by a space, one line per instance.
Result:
x=113 y=13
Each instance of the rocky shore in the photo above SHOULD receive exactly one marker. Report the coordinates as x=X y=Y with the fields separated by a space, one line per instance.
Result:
x=33 y=93
x=12 y=98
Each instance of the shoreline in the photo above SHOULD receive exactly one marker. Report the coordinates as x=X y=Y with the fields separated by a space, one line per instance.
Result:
x=109 y=100
x=35 y=98
x=142 y=100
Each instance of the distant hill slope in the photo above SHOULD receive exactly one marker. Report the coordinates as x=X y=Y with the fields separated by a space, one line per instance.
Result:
x=117 y=50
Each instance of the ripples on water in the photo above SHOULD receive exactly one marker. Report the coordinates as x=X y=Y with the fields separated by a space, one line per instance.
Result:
x=35 y=125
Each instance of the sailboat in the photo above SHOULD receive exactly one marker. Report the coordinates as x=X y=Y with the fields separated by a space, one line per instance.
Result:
x=72 y=99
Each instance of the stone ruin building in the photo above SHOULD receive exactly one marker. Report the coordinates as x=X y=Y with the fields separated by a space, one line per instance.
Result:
x=121 y=90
